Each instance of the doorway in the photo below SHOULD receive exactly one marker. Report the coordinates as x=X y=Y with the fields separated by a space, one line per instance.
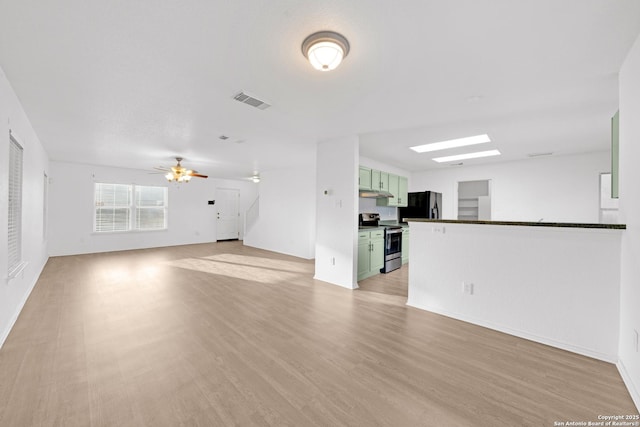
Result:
x=474 y=200
x=228 y=214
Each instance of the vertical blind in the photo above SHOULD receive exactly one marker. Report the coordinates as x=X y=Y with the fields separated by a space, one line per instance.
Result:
x=15 y=205
x=121 y=207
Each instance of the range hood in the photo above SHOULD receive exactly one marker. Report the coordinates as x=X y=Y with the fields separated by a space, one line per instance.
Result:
x=375 y=194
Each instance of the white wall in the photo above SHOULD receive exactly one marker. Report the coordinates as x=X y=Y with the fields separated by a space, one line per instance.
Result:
x=190 y=218
x=287 y=211
x=14 y=292
x=337 y=211
x=557 y=286
x=629 y=364
x=557 y=189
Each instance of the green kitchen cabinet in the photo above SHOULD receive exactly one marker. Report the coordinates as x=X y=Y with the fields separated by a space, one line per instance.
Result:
x=393 y=189
x=364 y=178
x=377 y=252
x=370 y=253
x=397 y=186
x=364 y=250
x=403 y=193
x=375 y=180
x=379 y=180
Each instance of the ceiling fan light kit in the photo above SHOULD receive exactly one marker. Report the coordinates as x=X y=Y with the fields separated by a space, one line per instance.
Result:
x=179 y=174
x=325 y=50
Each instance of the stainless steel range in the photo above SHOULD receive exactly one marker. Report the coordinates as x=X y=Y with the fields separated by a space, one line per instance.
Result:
x=368 y=220
x=392 y=249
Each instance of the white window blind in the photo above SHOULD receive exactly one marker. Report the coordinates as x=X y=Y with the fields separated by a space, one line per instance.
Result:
x=15 y=205
x=45 y=205
x=121 y=207
x=113 y=207
x=151 y=207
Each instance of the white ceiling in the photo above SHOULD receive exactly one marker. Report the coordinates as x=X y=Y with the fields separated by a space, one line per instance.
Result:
x=135 y=83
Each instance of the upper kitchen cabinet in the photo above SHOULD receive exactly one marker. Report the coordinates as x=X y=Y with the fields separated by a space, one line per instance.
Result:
x=398 y=188
x=379 y=180
x=403 y=192
x=364 y=179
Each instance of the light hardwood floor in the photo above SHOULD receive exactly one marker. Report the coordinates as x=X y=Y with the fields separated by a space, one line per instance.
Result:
x=222 y=334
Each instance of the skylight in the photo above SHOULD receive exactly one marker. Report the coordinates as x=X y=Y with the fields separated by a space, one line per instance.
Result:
x=452 y=143
x=475 y=155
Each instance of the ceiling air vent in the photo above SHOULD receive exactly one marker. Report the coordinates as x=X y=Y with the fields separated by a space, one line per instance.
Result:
x=250 y=100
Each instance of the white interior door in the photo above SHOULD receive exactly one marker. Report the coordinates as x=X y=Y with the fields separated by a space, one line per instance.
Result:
x=227 y=213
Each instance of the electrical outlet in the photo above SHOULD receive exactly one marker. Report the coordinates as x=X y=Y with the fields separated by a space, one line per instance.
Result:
x=635 y=340
x=333 y=260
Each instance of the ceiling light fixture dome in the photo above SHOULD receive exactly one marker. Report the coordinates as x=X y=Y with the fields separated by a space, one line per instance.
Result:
x=325 y=50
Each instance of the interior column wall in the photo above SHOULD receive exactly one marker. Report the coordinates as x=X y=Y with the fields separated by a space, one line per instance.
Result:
x=337 y=211
x=629 y=353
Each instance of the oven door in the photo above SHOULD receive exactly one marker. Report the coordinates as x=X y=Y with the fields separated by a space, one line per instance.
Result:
x=393 y=242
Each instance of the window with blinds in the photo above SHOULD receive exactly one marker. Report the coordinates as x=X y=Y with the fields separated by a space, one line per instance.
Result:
x=151 y=208
x=45 y=205
x=15 y=206
x=121 y=207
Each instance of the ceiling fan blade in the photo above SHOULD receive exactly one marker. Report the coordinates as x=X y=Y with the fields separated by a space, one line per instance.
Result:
x=199 y=175
x=161 y=168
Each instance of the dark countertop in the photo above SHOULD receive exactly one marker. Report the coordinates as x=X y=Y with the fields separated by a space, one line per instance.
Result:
x=382 y=225
x=524 y=223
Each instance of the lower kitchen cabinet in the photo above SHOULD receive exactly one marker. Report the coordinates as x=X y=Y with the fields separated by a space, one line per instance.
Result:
x=370 y=253
x=405 y=245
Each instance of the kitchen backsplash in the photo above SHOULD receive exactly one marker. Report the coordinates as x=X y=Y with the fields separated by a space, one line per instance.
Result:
x=369 y=206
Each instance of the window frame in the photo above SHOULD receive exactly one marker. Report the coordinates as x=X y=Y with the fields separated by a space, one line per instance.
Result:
x=133 y=209
x=15 y=264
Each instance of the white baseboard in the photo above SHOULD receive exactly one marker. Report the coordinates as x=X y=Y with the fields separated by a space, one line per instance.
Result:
x=611 y=358
x=23 y=301
x=628 y=382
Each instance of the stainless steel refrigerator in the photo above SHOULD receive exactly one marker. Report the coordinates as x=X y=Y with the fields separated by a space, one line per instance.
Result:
x=422 y=204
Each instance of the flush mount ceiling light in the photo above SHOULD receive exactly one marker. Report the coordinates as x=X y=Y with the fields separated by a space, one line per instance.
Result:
x=452 y=143
x=325 y=50
x=467 y=156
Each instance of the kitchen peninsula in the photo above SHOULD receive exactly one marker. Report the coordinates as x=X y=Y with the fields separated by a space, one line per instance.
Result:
x=554 y=283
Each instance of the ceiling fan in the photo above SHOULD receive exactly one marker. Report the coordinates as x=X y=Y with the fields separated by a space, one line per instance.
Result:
x=178 y=173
